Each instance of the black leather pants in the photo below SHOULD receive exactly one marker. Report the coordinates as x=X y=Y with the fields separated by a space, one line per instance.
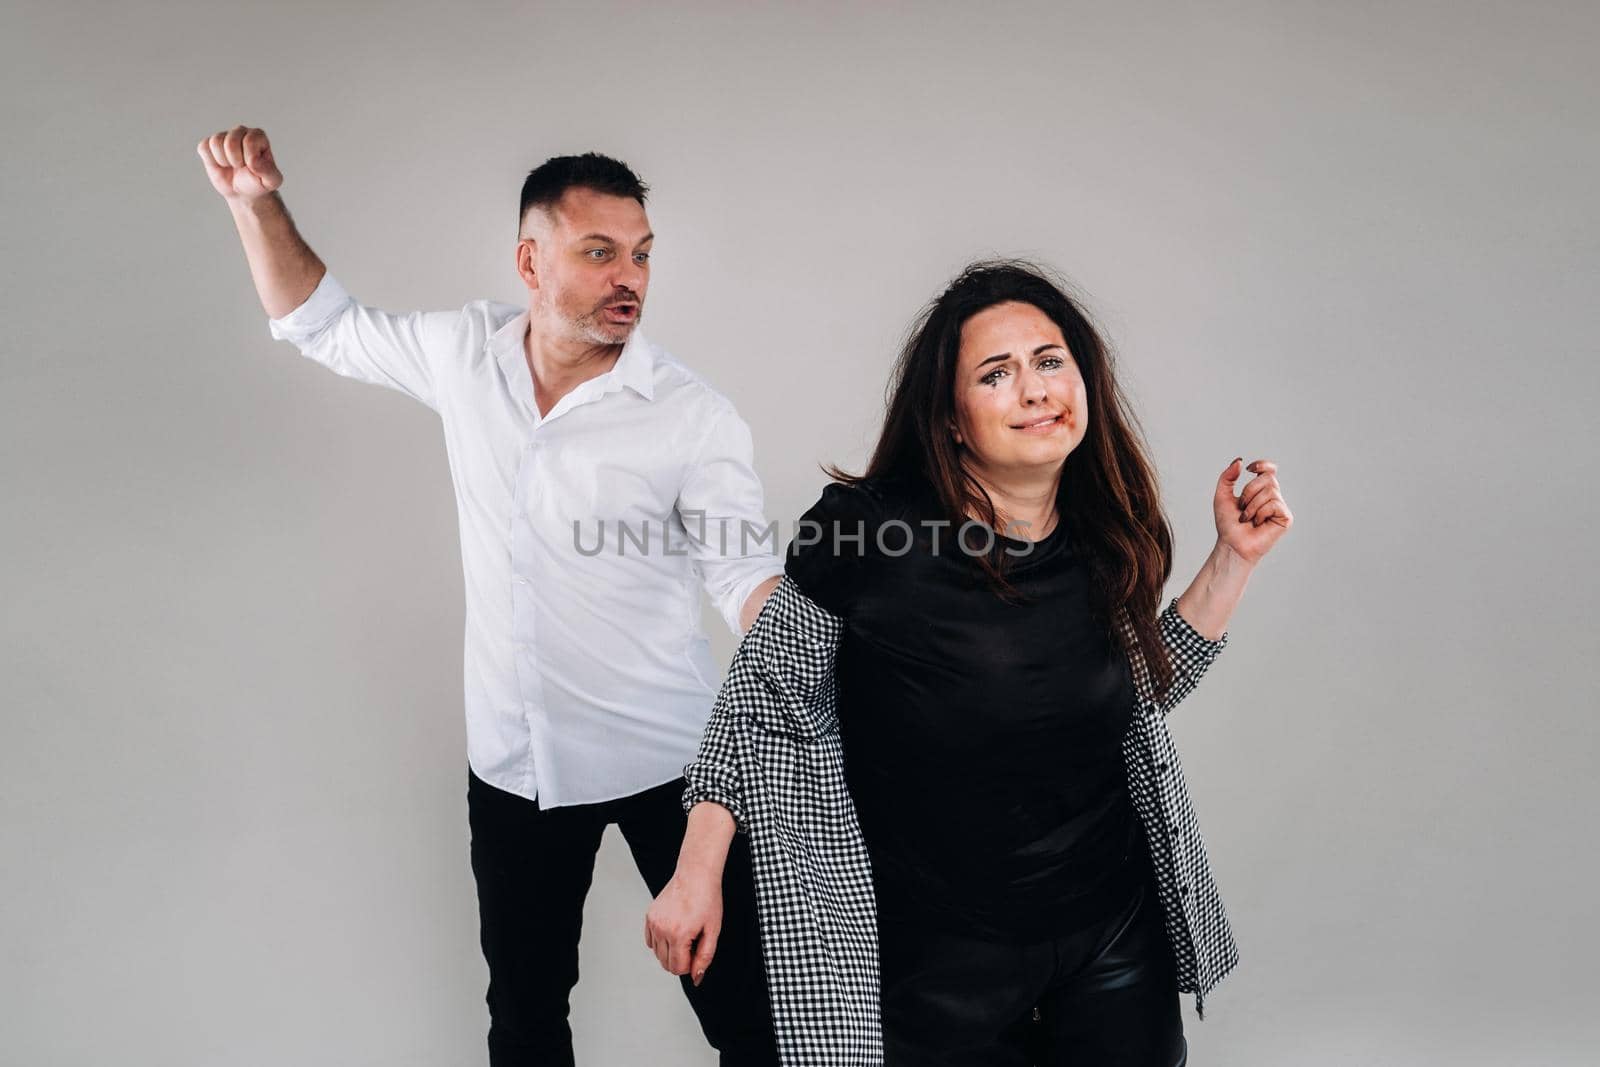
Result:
x=1102 y=997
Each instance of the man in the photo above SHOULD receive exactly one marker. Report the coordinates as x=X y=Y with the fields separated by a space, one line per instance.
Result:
x=578 y=450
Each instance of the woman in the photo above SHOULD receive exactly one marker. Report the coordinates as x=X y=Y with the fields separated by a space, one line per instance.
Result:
x=944 y=733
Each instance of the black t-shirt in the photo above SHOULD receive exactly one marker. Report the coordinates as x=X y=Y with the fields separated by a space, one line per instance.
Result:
x=982 y=739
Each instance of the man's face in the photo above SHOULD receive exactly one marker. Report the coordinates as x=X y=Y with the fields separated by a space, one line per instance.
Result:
x=590 y=265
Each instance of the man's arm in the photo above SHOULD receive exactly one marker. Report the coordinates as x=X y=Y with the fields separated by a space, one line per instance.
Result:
x=242 y=170
x=734 y=548
x=753 y=603
x=306 y=304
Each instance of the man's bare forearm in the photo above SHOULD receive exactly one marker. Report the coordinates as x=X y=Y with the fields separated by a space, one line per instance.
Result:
x=244 y=172
x=282 y=265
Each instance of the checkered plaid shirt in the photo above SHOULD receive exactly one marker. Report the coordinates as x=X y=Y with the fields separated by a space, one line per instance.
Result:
x=772 y=756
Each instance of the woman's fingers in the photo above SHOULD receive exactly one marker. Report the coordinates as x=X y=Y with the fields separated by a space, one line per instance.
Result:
x=1225 y=483
x=1257 y=508
x=704 y=950
x=673 y=953
x=1253 y=503
x=678 y=957
x=1260 y=492
x=1252 y=511
x=1255 y=488
x=660 y=947
x=1274 y=511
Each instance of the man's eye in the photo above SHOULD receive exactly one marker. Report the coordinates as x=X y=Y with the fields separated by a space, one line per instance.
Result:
x=596 y=253
x=641 y=257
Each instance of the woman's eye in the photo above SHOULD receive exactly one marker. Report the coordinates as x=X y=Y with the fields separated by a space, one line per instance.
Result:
x=1052 y=362
x=993 y=376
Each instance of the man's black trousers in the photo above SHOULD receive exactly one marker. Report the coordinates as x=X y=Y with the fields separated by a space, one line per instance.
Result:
x=533 y=868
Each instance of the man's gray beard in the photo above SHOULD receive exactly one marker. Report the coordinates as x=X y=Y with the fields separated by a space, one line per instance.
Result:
x=591 y=329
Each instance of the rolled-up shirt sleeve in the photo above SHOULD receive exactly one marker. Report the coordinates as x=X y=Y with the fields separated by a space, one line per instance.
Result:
x=1191 y=654
x=714 y=773
x=730 y=541
x=401 y=351
x=777 y=700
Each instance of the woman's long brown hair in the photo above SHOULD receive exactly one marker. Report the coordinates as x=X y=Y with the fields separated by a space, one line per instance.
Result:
x=1108 y=485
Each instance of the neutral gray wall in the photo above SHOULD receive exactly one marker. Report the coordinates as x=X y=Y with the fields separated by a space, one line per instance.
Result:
x=1357 y=238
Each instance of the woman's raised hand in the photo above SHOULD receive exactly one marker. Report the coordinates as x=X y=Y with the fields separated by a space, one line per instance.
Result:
x=1251 y=522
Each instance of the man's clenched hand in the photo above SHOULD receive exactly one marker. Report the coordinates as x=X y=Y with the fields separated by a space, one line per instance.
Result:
x=239 y=163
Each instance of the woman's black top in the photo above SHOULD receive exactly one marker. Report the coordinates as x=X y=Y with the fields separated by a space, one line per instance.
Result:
x=982 y=739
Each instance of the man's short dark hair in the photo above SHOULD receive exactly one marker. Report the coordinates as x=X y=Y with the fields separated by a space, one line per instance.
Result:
x=549 y=180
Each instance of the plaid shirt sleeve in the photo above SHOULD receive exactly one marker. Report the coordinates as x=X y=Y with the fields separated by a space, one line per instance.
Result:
x=714 y=775
x=772 y=756
x=1190 y=653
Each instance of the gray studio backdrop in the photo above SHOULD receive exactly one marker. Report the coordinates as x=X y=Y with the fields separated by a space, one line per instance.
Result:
x=1359 y=239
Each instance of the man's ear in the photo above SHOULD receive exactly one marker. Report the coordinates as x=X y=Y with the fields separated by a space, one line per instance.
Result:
x=527 y=258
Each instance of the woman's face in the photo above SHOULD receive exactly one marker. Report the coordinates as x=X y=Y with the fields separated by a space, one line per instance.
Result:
x=1020 y=401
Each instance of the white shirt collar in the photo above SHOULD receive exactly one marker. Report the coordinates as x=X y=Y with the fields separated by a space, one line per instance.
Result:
x=635 y=367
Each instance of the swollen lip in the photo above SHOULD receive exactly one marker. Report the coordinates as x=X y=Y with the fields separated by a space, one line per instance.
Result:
x=1040 y=427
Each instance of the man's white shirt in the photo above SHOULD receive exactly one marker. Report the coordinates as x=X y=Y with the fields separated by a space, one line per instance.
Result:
x=586 y=537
